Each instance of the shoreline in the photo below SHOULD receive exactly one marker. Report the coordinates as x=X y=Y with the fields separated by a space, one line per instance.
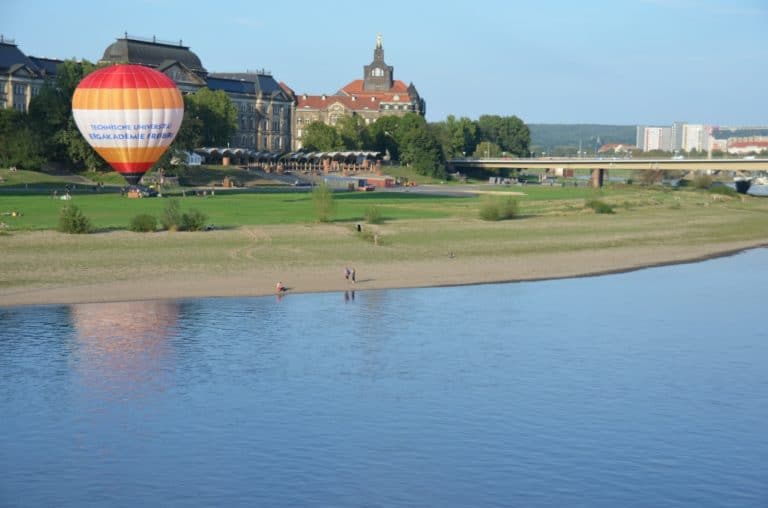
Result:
x=326 y=278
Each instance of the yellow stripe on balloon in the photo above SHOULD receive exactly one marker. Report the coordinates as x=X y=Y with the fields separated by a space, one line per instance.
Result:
x=131 y=154
x=127 y=98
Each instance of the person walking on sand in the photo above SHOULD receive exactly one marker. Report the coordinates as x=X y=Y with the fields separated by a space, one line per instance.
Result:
x=352 y=276
x=347 y=272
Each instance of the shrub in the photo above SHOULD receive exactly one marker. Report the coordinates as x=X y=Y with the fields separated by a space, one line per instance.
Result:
x=143 y=223
x=499 y=209
x=322 y=197
x=599 y=206
x=725 y=191
x=702 y=181
x=171 y=217
x=194 y=220
x=72 y=220
x=373 y=215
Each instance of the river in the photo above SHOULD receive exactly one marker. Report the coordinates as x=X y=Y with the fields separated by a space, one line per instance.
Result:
x=647 y=388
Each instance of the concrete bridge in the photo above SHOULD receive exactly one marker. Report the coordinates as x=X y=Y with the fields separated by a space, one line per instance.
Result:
x=599 y=167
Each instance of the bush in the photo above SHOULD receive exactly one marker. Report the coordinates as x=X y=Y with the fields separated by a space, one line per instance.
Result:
x=499 y=209
x=143 y=223
x=322 y=197
x=702 y=181
x=72 y=220
x=599 y=206
x=171 y=217
x=725 y=191
x=194 y=220
x=373 y=215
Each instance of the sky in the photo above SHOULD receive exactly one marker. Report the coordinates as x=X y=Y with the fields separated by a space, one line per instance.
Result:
x=649 y=62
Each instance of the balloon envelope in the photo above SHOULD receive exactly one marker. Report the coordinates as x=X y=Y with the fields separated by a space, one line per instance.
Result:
x=129 y=114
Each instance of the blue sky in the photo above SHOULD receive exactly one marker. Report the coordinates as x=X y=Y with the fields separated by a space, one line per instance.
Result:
x=546 y=61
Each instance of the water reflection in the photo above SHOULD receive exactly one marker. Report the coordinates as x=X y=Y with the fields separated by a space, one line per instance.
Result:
x=123 y=348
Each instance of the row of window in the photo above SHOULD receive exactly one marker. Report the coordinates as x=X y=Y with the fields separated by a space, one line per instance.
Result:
x=245 y=140
x=250 y=123
x=246 y=108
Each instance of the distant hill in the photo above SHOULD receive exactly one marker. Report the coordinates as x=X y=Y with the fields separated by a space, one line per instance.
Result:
x=547 y=137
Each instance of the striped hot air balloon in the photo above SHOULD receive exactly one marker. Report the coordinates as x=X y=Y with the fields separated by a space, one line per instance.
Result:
x=129 y=114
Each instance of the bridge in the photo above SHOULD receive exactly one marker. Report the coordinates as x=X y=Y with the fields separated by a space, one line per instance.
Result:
x=599 y=167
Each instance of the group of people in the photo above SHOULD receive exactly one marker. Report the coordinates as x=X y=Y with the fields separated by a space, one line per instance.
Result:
x=349 y=274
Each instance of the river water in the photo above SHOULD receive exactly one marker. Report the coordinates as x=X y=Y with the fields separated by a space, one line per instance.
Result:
x=640 y=389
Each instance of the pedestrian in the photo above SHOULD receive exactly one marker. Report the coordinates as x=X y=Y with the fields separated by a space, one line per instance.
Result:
x=347 y=272
x=279 y=287
x=352 y=276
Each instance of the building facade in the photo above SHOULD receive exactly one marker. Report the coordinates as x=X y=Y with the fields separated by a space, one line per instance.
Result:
x=377 y=94
x=21 y=76
x=657 y=138
x=695 y=137
x=264 y=107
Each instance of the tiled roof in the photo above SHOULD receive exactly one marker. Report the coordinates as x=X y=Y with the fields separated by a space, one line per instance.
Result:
x=747 y=144
x=323 y=101
x=354 y=98
x=151 y=54
x=720 y=133
x=243 y=83
x=356 y=88
x=48 y=65
x=11 y=55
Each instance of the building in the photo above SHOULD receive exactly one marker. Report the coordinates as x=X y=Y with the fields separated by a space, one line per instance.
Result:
x=264 y=107
x=21 y=76
x=676 y=136
x=657 y=138
x=738 y=140
x=695 y=137
x=376 y=95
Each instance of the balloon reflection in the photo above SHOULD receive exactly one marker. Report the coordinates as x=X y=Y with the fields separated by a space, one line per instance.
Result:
x=123 y=347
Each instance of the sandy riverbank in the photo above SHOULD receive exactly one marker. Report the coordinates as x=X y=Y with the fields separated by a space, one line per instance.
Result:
x=259 y=280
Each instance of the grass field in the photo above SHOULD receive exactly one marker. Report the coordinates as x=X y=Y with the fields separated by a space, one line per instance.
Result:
x=274 y=231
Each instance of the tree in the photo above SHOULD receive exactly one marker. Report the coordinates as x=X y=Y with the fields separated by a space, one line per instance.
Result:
x=510 y=133
x=216 y=114
x=418 y=146
x=487 y=149
x=354 y=135
x=20 y=145
x=457 y=137
x=321 y=138
x=382 y=136
x=322 y=198
x=50 y=112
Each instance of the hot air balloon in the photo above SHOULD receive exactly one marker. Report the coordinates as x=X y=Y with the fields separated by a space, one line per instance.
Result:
x=129 y=114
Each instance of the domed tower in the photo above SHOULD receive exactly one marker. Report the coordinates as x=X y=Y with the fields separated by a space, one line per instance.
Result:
x=153 y=53
x=378 y=75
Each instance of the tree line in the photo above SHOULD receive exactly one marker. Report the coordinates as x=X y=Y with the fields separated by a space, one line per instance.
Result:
x=48 y=133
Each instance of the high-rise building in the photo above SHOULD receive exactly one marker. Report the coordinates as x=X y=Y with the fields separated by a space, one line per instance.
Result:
x=657 y=138
x=676 y=141
x=694 y=137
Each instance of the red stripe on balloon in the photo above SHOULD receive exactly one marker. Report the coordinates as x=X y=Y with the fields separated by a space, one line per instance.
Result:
x=127 y=76
x=131 y=167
